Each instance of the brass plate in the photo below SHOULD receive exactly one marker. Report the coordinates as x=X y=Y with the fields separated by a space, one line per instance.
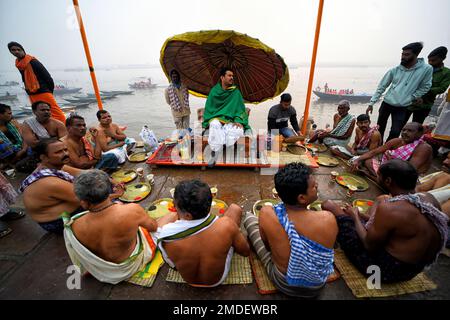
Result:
x=160 y=208
x=348 y=179
x=124 y=176
x=298 y=150
x=138 y=157
x=327 y=161
x=136 y=192
x=317 y=147
x=363 y=205
x=218 y=207
x=259 y=204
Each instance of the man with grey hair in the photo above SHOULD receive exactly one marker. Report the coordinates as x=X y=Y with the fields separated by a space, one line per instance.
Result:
x=343 y=125
x=48 y=191
x=111 y=241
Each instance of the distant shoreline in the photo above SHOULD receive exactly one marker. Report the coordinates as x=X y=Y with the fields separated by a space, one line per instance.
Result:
x=152 y=66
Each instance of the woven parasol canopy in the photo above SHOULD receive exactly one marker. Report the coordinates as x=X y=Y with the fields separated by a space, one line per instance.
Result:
x=259 y=72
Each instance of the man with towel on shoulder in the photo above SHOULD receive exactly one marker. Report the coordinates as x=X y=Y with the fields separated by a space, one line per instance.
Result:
x=366 y=139
x=42 y=125
x=405 y=232
x=48 y=191
x=410 y=147
x=343 y=125
x=198 y=244
x=82 y=154
x=111 y=241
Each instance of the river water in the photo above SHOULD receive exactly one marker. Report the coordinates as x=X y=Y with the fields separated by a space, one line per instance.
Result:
x=148 y=107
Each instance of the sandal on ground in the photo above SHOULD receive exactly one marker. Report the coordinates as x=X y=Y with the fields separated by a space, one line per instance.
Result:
x=4 y=229
x=13 y=215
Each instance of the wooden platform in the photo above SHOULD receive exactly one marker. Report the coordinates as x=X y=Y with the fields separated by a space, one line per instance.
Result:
x=237 y=156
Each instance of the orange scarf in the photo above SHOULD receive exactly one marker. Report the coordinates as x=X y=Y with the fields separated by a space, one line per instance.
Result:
x=31 y=81
x=88 y=148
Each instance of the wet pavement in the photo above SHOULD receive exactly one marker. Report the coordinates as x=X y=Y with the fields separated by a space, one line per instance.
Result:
x=33 y=263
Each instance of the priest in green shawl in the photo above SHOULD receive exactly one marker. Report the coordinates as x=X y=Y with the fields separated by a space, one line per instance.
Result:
x=225 y=114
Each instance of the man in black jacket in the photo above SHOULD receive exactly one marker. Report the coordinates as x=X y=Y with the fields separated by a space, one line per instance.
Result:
x=280 y=115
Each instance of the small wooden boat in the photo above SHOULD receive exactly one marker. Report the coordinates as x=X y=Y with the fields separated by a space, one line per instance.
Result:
x=102 y=96
x=78 y=100
x=117 y=92
x=143 y=84
x=353 y=98
x=59 y=91
x=9 y=84
x=8 y=97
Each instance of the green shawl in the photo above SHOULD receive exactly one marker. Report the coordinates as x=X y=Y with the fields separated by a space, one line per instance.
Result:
x=226 y=105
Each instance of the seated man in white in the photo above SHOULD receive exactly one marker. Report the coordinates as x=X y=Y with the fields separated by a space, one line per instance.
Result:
x=225 y=114
x=111 y=241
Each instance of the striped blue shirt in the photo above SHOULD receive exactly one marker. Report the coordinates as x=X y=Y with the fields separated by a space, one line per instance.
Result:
x=310 y=263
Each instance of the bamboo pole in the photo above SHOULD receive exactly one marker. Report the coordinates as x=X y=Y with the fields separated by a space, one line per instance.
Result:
x=88 y=54
x=313 y=66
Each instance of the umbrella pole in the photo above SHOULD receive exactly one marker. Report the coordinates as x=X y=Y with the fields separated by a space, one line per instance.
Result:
x=313 y=66
x=88 y=54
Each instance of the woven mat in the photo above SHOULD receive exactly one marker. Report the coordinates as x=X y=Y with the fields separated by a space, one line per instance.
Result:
x=147 y=275
x=357 y=282
x=240 y=272
x=263 y=282
x=265 y=286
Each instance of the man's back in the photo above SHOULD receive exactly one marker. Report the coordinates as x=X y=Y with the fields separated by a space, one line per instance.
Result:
x=319 y=227
x=49 y=205
x=200 y=258
x=111 y=234
x=413 y=237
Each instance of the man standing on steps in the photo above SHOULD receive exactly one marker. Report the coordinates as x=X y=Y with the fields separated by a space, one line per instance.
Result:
x=407 y=83
x=38 y=83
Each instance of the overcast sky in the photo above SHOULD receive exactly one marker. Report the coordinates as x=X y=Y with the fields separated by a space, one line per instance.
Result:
x=360 y=32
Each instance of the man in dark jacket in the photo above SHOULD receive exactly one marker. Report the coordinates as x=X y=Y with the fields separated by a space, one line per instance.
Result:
x=281 y=114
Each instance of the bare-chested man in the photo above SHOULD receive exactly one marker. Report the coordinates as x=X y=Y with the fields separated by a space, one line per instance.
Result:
x=81 y=153
x=42 y=126
x=103 y=238
x=111 y=138
x=48 y=191
x=198 y=244
x=295 y=244
x=366 y=139
x=405 y=232
x=439 y=186
x=410 y=147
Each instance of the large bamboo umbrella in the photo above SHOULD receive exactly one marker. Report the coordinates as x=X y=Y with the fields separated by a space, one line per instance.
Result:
x=259 y=72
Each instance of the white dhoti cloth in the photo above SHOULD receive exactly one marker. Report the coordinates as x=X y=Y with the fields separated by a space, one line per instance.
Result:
x=181 y=229
x=220 y=135
x=106 y=271
x=121 y=152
